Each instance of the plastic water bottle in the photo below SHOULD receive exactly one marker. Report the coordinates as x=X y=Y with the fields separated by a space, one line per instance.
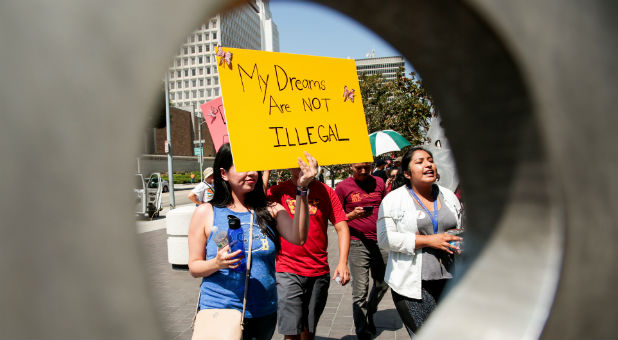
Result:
x=236 y=240
x=456 y=232
x=219 y=237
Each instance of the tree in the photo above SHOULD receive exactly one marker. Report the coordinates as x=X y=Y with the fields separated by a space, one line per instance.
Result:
x=402 y=105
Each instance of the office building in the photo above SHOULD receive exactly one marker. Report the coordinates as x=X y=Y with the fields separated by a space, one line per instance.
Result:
x=387 y=66
x=193 y=77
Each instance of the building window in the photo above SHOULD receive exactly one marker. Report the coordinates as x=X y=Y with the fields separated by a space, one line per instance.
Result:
x=171 y=85
x=192 y=38
x=186 y=73
x=194 y=82
x=201 y=93
x=199 y=37
x=216 y=91
x=216 y=80
x=213 y=23
x=194 y=93
x=214 y=35
x=200 y=59
x=192 y=49
x=209 y=92
x=187 y=95
x=207 y=47
x=206 y=36
x=208 y=81
x=186 y=50
x=193 y=72
x=178 y=74
x=186 y=84
x=178 y=62
x=207 y=59
x=179 y=95
x=201 y=82
x=199 y=48
x=201 y=71
x=207 y=70
x=179 y=84
x=192 y=61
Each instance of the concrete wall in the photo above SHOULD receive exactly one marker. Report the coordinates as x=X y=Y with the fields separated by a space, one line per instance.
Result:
x=527 y=91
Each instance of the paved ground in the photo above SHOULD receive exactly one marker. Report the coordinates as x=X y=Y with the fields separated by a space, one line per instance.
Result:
x=175 y=293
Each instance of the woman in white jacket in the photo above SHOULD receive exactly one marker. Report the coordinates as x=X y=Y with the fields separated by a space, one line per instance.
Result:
x=412 y=224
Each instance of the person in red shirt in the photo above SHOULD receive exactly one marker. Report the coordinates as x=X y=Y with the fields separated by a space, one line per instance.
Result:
x=361 y=195
x=302 y=272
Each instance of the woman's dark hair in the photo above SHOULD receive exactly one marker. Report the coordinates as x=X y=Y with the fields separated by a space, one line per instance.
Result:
x=256 y=199
x=401 y=180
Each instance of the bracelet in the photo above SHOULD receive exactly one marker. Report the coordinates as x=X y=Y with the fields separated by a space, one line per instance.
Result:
x=302 y=191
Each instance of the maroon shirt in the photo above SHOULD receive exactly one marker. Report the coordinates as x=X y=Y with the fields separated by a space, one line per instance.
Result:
x=354 y=194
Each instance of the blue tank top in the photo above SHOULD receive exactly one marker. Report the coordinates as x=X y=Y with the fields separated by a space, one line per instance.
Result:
x=225 y=288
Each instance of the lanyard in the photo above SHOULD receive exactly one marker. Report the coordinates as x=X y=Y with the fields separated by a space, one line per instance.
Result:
x=434 y=219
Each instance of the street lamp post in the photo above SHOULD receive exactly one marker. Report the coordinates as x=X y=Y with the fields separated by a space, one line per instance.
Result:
x=199 y=128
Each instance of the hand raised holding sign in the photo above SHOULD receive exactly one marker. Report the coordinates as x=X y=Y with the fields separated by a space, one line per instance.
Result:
x=307 y=170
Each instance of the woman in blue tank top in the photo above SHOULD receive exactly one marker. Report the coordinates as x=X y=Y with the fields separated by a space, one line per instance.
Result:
x=241 y=194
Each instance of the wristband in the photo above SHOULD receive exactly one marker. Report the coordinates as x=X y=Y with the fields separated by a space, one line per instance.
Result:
x=302 y=191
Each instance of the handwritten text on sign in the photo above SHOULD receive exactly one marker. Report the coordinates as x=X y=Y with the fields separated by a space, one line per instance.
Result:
x=278 y=105
x=214 y=114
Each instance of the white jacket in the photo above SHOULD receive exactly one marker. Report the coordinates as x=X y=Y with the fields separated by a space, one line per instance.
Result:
x=397 y=233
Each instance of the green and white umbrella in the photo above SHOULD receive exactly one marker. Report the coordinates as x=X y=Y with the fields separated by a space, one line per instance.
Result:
x=386 y=141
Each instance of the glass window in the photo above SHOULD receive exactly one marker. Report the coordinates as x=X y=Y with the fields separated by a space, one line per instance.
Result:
x=201 y=93
x=206 y=36
x=194 y=82
x=207 y=70
x=216 y=91
x=186 y=84
x=194 y=93
x=192 y=38
x=179 y=95
x=186 y=61
x=172 y=96
x=186 y=73
x=192 y=60
x=201 y=71
x=200 y=60
x=207 y=48
x=186 y=50
x=171 y=85
x=192 y=49
x=178 y=74
x=178 y=62
x=201 y=82
x=192 y=72
x=216 y=80
x=214 y=35
x=207 y=59
x=207 y=81
x=179 y=84
x=187 y=95
x=199 y=37
x=209 y=92
x=200 y=48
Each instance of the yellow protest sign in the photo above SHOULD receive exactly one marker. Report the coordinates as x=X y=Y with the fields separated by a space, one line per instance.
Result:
x=278 y=105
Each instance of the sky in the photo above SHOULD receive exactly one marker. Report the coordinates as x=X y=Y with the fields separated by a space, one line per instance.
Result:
x=312 y=29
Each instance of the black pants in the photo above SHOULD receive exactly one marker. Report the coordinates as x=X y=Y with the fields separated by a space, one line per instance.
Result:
x=260 y=328
x=414 y=312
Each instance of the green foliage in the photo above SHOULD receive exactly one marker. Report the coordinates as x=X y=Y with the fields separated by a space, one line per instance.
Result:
x=402 y=105
x=183 y=177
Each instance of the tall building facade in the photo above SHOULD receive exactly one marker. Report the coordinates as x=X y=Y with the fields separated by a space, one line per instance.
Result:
x=387 y=66
x=193 y=76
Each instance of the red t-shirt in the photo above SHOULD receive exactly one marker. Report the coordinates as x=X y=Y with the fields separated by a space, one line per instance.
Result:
x=354 y=194
x=310 y=259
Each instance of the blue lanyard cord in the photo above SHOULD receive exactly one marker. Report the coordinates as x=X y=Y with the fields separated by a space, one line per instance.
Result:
x=434 y=219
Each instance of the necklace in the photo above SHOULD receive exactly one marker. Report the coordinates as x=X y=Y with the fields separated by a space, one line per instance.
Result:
x=434 y=219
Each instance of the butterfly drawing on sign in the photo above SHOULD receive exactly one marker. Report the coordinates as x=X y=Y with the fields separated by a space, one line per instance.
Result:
x=225 y=56
x=348 y=94
x=213 y=114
